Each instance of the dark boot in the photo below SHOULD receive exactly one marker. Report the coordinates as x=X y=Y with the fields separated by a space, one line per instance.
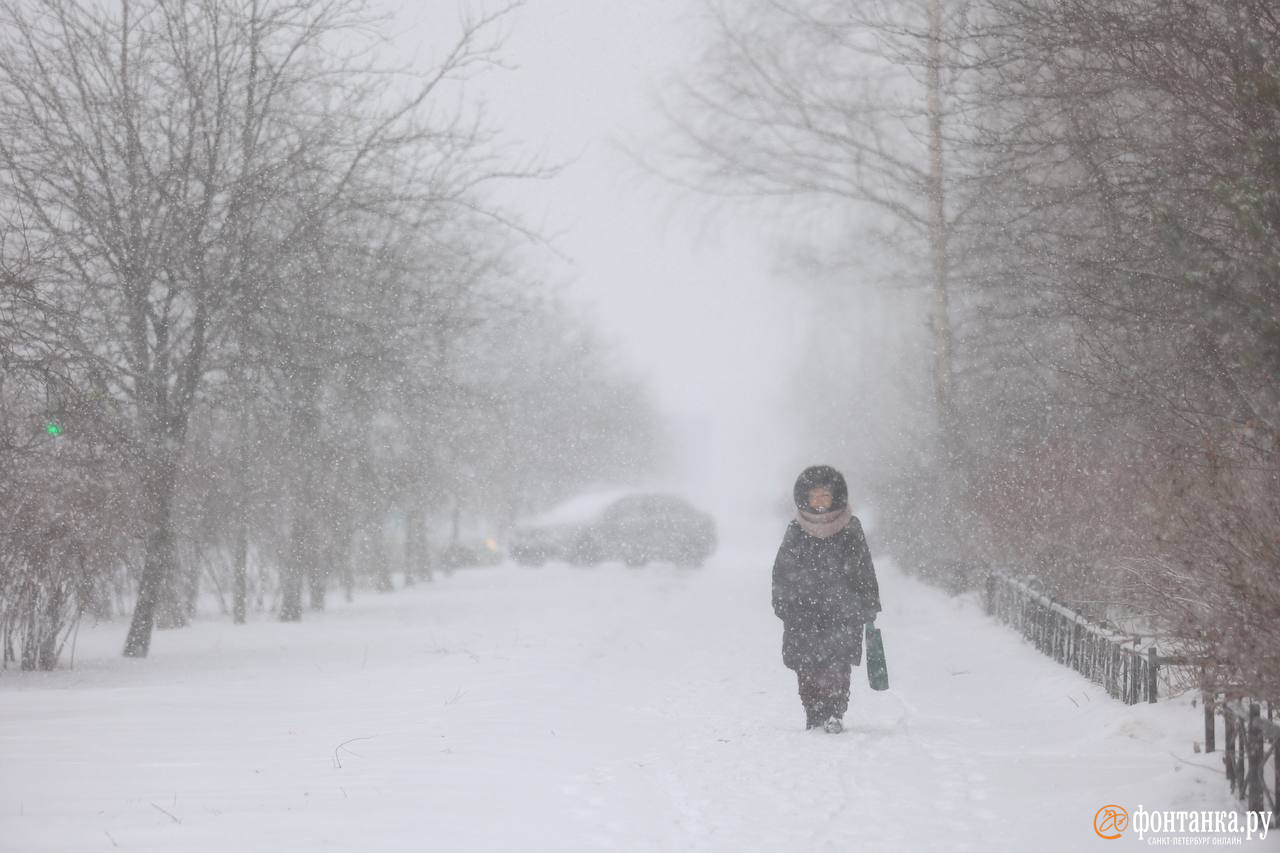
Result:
x=825 y=691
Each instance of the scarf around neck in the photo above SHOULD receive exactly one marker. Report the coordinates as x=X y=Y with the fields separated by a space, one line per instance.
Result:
x=824 y=524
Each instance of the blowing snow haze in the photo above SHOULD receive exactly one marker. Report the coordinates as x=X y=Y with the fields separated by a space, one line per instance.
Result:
x=487 y=426
x=688 y=301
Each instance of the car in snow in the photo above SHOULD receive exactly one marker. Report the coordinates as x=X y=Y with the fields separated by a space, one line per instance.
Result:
x=634 y=529
x=468 y=554
x=552 y=535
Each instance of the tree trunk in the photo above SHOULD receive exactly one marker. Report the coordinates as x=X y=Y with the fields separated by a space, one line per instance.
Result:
x=297 y=562
x=342 y=559
x=295 y=568
x=410 y=547
x=300 y=563
x=240 y=593
x=240 y=589
x=158 y=563
x=318 y=566
x=47 y=651
x=28 y=656
x=43 y=603
x=942 y=368
x=317 y=579
x=378 y=554
x=424 y=544
x=178 y=598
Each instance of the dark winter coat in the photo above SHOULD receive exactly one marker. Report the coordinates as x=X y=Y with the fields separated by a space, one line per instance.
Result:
x=824 y=591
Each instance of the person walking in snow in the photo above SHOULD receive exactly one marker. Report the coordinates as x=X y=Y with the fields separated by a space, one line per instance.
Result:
x=824 y=591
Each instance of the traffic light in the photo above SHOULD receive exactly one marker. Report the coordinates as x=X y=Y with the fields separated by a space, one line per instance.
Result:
x=55 y=407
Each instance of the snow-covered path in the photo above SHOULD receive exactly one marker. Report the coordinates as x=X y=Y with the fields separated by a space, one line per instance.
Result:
x=570 y=709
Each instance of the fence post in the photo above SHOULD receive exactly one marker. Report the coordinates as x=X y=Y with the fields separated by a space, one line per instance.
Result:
x=1254 y=779
x=1229 y=741
x=1275 y=802
x=1058 y=622
x=1075 y=647
x=1064 y=639
x=1153 y=683
x=1097 y=665
x=991 y=593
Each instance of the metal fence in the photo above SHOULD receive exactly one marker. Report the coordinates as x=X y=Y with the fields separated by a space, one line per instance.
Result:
x=1251 y=742
x=1116 y=661
x=1128 y=670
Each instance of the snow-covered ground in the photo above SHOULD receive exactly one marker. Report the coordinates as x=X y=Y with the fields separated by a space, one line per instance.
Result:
x=564 y=709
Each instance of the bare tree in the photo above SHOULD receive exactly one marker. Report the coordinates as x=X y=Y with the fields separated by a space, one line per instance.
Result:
x=1128 y=232
x=842 y=108
x=65 y=488
x=175 y=159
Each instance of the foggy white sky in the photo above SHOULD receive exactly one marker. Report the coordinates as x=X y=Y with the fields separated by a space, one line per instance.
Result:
x=687 y=303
